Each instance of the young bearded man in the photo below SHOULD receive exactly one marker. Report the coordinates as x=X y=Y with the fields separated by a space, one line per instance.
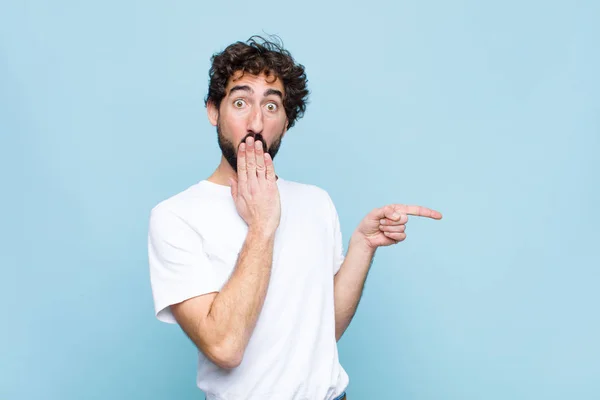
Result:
x=251 y=265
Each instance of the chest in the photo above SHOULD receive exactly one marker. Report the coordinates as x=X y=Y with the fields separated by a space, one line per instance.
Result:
x=303 y=245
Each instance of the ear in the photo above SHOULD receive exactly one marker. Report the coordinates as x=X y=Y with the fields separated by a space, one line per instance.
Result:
x=287 y=123
x=213 y=112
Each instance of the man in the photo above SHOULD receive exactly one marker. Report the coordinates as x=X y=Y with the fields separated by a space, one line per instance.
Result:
x=250 y=265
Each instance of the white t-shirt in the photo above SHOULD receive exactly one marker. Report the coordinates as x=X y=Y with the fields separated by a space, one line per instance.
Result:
x=193 y=243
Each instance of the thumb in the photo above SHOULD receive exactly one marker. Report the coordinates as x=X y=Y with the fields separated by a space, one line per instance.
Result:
x=233 y=185
x=390 y=213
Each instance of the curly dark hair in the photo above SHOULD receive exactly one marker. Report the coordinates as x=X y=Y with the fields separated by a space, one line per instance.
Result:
x=258 y=55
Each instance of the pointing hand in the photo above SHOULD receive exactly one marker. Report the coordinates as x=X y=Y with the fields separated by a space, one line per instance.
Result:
x=386 y=225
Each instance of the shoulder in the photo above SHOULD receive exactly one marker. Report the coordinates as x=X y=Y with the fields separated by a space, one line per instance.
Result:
x=182 y=205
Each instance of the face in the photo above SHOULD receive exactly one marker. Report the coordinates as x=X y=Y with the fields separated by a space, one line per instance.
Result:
x=252 y=106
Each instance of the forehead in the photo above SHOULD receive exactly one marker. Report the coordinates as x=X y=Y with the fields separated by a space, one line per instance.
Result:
x=257 y=82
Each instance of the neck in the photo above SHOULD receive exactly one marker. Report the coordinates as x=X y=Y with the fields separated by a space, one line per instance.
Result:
x=222 y=173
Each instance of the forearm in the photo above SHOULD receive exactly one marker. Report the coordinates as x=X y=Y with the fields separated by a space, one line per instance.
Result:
x=235 y=309
x=349 y=283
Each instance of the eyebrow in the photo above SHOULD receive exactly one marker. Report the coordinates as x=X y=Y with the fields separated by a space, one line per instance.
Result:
x=246 y=88
x=276 y=92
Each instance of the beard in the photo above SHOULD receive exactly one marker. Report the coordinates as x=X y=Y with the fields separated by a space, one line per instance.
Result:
x=229 y=150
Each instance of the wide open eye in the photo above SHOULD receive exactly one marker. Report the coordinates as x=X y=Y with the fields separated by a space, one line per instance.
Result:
x=239 y=103
x=272 y=107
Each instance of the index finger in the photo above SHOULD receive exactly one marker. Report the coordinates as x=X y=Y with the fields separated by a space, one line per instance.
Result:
x=241 y=163
x=419 y=211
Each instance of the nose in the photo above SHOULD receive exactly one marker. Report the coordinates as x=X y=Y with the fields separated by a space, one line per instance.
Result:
x=255 y=121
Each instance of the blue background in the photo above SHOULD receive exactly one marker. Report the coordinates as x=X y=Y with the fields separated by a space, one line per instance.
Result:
x=486 y=111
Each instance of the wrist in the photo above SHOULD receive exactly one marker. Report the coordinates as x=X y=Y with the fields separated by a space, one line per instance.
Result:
x=359 y=242
x=261 y=233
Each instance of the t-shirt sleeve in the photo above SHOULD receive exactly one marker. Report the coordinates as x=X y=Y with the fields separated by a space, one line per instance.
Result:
x=179 y=267
x=338 y=251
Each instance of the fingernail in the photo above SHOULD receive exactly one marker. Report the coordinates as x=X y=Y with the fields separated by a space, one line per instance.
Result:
x=395 y=215
x=242 y=146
